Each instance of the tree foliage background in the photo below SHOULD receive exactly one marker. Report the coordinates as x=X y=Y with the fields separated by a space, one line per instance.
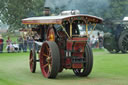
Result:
x=12 y=11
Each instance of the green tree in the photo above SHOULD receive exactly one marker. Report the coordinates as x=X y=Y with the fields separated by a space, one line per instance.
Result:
x=117 y=10
x=13 y=11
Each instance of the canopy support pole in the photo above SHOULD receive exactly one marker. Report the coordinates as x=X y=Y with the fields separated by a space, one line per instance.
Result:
x=65 y=31
x=93 y=28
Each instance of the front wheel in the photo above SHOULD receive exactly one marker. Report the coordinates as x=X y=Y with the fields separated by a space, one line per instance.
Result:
x=85 y=71
x=49 y=59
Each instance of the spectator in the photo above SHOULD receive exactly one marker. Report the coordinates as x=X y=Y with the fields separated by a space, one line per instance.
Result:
x=25 y=44
x=10 y=48
x=100 y=38
x=36 y=38
x=8 y=41
x=1 y=44
x=9 y=45
x=30 y=43
x=93 y=41
x=16 y=47
x=20 y=41
x=89 y=40
x=97 y=43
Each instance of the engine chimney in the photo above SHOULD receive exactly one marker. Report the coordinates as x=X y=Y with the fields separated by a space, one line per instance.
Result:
x=46 y=11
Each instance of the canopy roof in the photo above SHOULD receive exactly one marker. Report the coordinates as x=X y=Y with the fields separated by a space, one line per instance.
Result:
x=60 y=19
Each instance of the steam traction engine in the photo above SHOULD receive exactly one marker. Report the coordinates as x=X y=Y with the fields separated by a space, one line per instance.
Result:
x=117 y=39
x=61 y=44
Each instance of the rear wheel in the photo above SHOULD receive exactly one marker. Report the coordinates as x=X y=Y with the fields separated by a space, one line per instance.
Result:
x=32 y=61
x=85 y=71
x=123 y=42
x=49 y=59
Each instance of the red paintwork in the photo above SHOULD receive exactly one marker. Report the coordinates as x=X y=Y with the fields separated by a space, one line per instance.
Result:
x=77 y=44
x=68 y=63
x=69 y=45
x=80 y=38
x=77 y=65
x=41 y=21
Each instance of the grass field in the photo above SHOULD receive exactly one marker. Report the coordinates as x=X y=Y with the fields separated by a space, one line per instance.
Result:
x=108 y=69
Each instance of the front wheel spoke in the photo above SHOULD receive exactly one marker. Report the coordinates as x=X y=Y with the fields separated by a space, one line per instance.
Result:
x=45 y=55
x=49 y=66
x=47 y=48
x=44 y=66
